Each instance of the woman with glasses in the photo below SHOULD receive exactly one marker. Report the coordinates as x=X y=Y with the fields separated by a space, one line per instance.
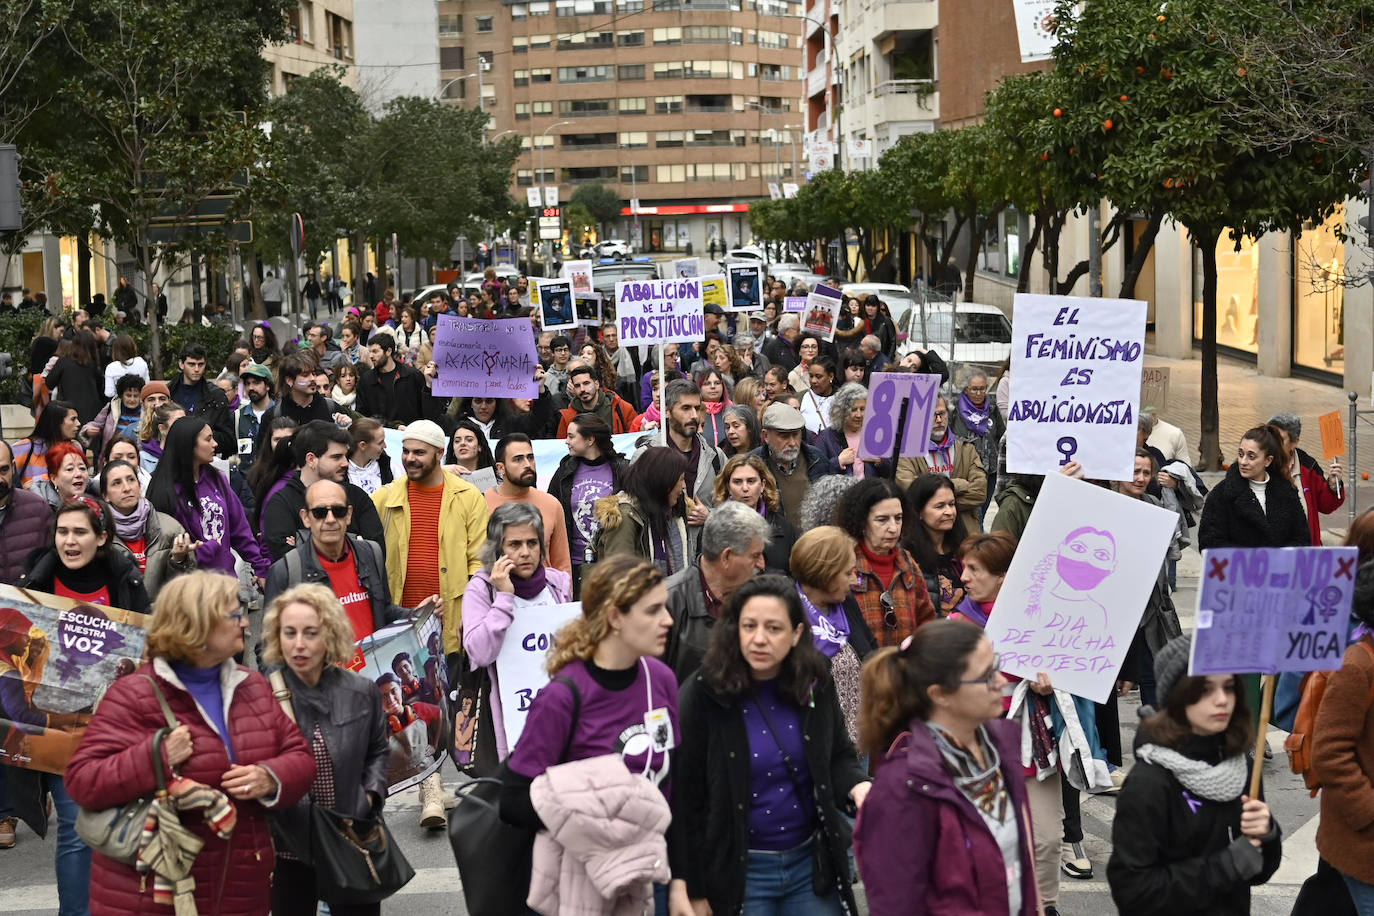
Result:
x=808 y=348
x=231 y=737
x=932 y=718
x=890 y=587
x=766 y=768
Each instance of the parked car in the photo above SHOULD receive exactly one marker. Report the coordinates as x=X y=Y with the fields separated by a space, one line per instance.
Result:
x=964 y=332
x=613 y=248
x=895 y=296
x=605 y=275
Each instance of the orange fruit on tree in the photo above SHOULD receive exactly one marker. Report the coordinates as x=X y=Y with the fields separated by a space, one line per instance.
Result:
x=1240 y=71
x=1059 y=112
x=1108 y=124
x=1124 y=98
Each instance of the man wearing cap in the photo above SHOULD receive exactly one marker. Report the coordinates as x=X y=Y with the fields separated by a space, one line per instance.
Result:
x=794 y=463
x=257 y=393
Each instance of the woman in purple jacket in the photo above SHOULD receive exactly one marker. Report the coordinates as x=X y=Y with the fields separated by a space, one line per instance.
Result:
x=189 y=489
x=947 y=822
x=515 y=575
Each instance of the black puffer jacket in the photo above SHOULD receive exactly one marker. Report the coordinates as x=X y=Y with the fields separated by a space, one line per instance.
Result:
x=1232 y=516
x=122 y=577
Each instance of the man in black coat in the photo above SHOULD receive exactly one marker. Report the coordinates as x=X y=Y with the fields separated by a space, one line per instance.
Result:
x=202 y=398
x=781 y=350
x=390 y=392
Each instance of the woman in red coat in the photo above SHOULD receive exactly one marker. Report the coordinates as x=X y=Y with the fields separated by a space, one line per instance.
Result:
x=232 y=736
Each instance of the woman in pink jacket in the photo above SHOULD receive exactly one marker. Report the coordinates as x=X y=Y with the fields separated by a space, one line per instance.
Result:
x=514 y=575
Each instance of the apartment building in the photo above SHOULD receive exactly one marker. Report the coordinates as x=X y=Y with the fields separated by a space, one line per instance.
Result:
x=688 y=108
x=321 y=33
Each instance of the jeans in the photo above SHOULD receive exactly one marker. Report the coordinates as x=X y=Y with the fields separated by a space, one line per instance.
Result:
x=73 y=855
x=779 y=884
x=1362 y=894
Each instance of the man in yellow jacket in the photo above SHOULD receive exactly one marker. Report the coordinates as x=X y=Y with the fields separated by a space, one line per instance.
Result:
x=435 y=524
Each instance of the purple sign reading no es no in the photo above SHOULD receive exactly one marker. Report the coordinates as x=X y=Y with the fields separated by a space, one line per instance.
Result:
x=489 y=359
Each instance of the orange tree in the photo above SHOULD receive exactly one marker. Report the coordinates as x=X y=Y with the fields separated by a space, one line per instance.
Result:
x=1143 y=117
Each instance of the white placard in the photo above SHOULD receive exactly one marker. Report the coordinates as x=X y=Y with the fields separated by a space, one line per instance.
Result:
x=556 y=309
x=533 y=197
x=482 y=478
x=1073 y=597
x=686 y=267
x=579 y=274
x=1035 y=27
x=551 y=195
x=822 y=312
x=520 y=673
x=1077 y=364
x=859 y=148
x=660 y=311
x=746 y=288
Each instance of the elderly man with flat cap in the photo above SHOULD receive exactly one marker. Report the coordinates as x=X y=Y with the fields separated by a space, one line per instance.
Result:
x=793 y=461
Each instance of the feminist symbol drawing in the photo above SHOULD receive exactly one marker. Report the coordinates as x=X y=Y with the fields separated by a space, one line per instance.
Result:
x=489 y=359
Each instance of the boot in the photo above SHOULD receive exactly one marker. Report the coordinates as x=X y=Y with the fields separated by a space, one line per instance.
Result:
x=432 y=803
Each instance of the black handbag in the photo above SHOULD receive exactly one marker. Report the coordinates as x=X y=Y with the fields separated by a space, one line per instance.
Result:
x=494 y=858
x=355 y=859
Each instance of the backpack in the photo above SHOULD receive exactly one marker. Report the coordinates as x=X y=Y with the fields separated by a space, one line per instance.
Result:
x=1298 y=744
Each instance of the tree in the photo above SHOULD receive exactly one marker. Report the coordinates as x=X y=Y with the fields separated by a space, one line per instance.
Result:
x=1148 y=124
x=916 y=167
x=601 y=202
x=976 y=183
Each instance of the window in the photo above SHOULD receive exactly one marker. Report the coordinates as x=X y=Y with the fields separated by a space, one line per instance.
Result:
x=705 y=34
x=668 y=36
x=776 y=40
x=484 y=23
x=451 y=58
x=630 y=39
x=544 y=176
x=668 y=70
x=632 y=106
x=519 y=45
x=539 y=7
x=541 y=75
x=577 y=41
x=668 y=104
x=773 y=72
x=667 y=173
x=668 y=139
x=583 y=7
x=339 y=31
x=518 y=11
x=583 y=174
x=598 y=74
x=776 y=105
x=574 y=142
x=707 y=69
x=584 y=108
x=540 y=42
x=544 y=141
x=524 y=177
x=525 y=144
x=522 y=111
x=708 y=137
x=630 y=72
x=634 y=173
x=305 y=21
x=542 y=108
x=520 y=77
x=634 y=139
x=630 y=6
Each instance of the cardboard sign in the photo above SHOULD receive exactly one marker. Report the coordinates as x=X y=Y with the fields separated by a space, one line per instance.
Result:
x=888 y=393
x=1272 y=609
x=713 y=291
x=489 y=359
x=1154 y=389
x=520 y=673
x=1333 y=435
x=1077 y=364
x=659 y=311
x=588 y=307
x=1083 y=571
x=822 y=311
x=66 y=654
x=406 y=662
x=686 y=267
x=794 y=304
x=556 y=305
x=579 y=274
x=746 y=288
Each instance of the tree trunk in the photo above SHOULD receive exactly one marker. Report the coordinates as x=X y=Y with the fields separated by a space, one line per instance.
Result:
x=1209 y=457
x=948 y=246
x=1138 y=256
x=1053 y=229
x=383 y=281
x=1028 y=255
x=83 y=273
x=255 y=289
x=154 y=324
x=196 y=303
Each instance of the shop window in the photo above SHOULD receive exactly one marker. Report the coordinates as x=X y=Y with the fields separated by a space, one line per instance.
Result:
x=1319 y=285
x=1237 y=294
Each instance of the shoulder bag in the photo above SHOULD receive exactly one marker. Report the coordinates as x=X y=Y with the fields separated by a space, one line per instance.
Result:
x=356 y=861
x=116 y=832
x=494 y=857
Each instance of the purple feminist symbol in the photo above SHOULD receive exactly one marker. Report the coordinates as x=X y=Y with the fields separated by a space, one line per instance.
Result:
x=1193 y=803
x=490 y=359
x=86 y=637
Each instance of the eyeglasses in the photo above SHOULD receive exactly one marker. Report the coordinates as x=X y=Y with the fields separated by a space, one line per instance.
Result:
x=889 y=609
x=987 y=679
x=321 y=511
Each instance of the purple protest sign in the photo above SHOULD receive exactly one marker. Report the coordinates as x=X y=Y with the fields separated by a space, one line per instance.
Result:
x=887 y=393
x=490 y=359
x=86 y=636
x=1271 y=609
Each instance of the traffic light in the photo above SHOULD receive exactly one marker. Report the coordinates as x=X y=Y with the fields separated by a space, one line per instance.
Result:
x=11 y=214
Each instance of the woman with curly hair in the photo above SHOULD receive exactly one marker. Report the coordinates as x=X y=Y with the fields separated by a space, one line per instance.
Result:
x=727 y=361
x=595 y=355
x=746 y=479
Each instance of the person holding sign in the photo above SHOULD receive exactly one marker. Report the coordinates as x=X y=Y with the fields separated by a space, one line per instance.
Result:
x=1321 y=493
x=839 y=442
x=81 y=565
x=1187 y=838
x=955 y=458
x=932 y=714
x=515 y=574
x=763 y=733
x=890 y=587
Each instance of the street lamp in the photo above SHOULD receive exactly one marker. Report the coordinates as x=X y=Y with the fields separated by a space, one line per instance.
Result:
x=502 y=134
x=830 y=61
x=548 y=255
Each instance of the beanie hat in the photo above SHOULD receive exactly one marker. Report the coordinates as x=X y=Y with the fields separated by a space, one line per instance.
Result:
x=1171 y=664
x=426 y=431
x=154 y=388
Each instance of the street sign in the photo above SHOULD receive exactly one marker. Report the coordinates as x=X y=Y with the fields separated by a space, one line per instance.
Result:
x=821 y=162
x=172 y=232
x=550 y=224
x=551 y=195
x=860 y=148
x=533 y=198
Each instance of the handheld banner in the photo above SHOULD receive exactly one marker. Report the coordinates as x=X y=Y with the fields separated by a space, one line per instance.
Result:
x=556 y=305
x=1083 y=572
x=579 y=274
x=686 y=267
x=57 y=659
x=406 y=662
x=547 y=454
x=588 y=307
x=659 y=311
x=822 y=311
x=713 y=291
x=888 y=392
x=490 y=359
x=1270 y=609
x=520 y=673
x=746 y=287
x=1077 y=364
x=1333 y=435
x=1154 y=388
x=794 y=304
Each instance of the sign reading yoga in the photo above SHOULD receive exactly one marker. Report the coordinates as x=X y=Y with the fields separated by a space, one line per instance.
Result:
x=1077 y=366
x=660 y=311
x=1073 y=597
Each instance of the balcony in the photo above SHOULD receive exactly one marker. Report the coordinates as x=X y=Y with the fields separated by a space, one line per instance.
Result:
x=893 y=16
x=905 y=100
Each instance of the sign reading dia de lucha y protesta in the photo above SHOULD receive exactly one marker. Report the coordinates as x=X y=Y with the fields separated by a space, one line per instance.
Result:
x=1076 y=396
x=660 y=311
x=490 y=359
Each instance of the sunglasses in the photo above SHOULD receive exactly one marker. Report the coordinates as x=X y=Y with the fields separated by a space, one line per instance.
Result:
x=889 y=609
x=320 y=512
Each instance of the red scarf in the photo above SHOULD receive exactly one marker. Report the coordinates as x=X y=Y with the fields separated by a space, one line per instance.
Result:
x=715 y=407
x=884 y=565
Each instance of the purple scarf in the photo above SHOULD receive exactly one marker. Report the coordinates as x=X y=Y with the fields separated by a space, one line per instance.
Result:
x=131 y=526
x=829 y=626
x=531 y=587
x=977 y=419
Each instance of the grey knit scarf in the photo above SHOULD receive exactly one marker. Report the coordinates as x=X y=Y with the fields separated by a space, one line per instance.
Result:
x=1215 y=782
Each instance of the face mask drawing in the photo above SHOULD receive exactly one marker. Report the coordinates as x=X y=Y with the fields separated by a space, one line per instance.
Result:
x=1086 y=557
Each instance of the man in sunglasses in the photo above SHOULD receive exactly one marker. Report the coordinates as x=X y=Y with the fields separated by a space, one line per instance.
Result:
x=352 y=567
x=321 y=452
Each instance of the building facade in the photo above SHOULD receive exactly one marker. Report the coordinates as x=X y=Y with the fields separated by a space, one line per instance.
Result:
x=321 y=35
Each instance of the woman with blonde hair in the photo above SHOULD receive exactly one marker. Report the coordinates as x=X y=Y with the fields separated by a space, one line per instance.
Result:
x=746 y=479
x=231 y=743
x=306 y=631
x=750 y=392
x=609 y=688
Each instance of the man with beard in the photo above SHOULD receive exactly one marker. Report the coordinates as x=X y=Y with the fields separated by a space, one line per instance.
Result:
x=794 y=464
x=257 y=390
x=514 y=463
x=683 y=411
x=299 y=397
x=589 y=397
x=390 y=392
x=956 y=459
x=591 y=470
x=321 y=452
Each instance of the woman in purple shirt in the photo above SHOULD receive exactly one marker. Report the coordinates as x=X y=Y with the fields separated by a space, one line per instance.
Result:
x=763 y=736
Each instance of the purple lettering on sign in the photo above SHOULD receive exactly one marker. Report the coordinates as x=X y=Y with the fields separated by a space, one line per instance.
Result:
x=489 y=359
x=888 y=393
x=86 y=637
x=1273 y=609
